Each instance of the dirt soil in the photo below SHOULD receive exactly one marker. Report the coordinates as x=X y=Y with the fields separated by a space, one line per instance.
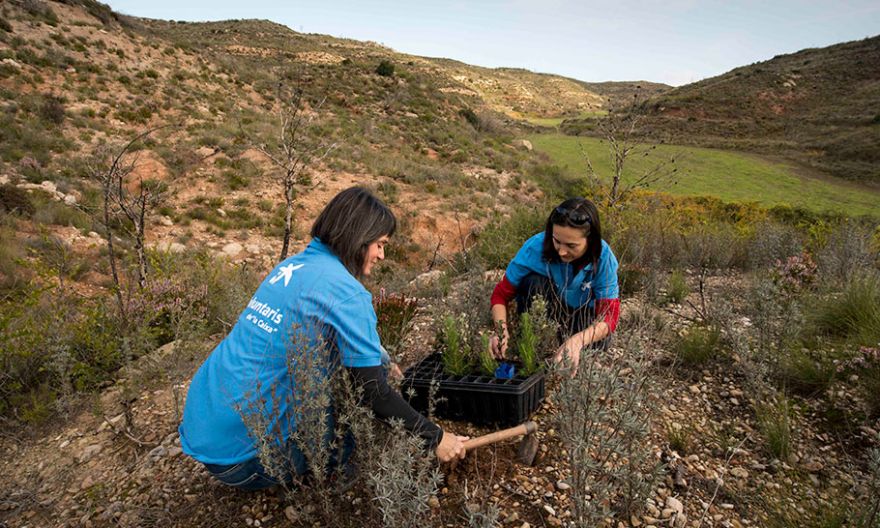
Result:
x=92 y=471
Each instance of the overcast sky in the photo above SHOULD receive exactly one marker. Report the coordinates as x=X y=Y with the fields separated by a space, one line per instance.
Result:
x=670 y=41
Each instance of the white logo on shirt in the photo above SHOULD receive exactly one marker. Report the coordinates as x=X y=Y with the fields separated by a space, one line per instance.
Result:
x=285 y=272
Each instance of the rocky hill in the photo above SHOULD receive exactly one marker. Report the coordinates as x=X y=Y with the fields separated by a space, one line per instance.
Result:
x=819 y=106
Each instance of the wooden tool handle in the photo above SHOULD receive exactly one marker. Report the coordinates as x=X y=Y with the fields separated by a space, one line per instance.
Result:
x=520 y=430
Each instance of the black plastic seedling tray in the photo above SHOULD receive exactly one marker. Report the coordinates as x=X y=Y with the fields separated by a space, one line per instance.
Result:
x=478 y=399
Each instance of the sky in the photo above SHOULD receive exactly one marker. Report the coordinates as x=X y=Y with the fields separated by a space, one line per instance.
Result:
x=670 y=41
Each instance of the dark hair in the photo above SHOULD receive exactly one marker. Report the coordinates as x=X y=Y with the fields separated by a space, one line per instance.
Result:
x=353 y=220
x=578 y=213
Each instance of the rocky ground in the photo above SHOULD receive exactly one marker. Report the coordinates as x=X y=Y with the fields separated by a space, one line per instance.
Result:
x=93 y=469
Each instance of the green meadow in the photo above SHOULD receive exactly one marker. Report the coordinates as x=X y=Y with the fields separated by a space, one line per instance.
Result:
x=552 y=122
x=730 y=176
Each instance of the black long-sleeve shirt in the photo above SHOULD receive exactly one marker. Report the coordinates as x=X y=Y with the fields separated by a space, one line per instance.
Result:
x=387 y=403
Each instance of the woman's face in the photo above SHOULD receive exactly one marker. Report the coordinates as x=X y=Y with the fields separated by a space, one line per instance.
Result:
x=375 y=252
x=569 y=242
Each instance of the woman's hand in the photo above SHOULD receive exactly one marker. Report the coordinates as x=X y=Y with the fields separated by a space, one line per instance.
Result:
x=451 y=447
x=570 y=349
x=394 y=371
x=497 y=343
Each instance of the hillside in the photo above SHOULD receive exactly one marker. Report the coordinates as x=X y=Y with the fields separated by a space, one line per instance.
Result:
x=621 y=93
x=818 y=106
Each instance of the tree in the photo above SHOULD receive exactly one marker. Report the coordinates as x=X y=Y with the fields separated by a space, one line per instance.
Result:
x=299 y=147
x=620 y=129
x=127 y=201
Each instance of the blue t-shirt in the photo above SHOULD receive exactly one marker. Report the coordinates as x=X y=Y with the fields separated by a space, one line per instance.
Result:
x=577 y=288
x=308 y=299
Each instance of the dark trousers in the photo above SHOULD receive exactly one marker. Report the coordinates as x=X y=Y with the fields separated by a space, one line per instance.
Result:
x=250 y=475
x=570 y=320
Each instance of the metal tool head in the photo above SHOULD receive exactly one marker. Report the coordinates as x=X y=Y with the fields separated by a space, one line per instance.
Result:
x=528 y=449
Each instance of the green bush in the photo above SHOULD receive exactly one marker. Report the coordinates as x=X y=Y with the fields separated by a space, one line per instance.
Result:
x=15 y=200
x=503 y=236
x=385 y=69
x=698 y=346
x=676 y=287
x=5 y=25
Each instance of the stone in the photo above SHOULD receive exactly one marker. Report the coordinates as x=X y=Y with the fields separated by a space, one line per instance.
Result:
x=11 y=62
x=232 y=249
x=549 y=509
x=739 y=472
x=434 y=503
x=89 y=452
x=166 y=221
x=427 y=279
x=524 y=144
x=695 y=389
x=562 y=485
x=221 y=212
x=674 y=504
x=69 y=199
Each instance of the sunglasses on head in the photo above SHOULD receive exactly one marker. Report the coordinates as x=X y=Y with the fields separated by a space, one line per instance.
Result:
x=573 y=217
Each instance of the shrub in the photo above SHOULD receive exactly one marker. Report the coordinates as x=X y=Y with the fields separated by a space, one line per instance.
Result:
x=503 y=236
x=14 y=200
x=848 y=250
x=676 y=287
x=52 y=109
x=385 y=69
x=698 y=346
x=394 y=314
x=604 y=422
x=5 y=25
x=470 y=116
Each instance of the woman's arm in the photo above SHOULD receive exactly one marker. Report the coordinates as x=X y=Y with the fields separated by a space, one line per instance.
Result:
x=608 y=312
x=387 y=403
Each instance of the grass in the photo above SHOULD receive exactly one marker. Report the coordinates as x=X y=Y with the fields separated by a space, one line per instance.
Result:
x=730 y=176
x=853 y=316
x=552 y=122
x=774 y=421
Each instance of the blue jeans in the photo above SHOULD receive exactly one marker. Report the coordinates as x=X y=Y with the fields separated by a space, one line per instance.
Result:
x=250 y=475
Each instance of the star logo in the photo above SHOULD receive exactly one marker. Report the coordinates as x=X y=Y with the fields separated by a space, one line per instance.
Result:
x=285 y=272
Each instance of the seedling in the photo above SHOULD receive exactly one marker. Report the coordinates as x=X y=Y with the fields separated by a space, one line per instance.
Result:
x=456 y=351
x=488 y=364
x=527 y=347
